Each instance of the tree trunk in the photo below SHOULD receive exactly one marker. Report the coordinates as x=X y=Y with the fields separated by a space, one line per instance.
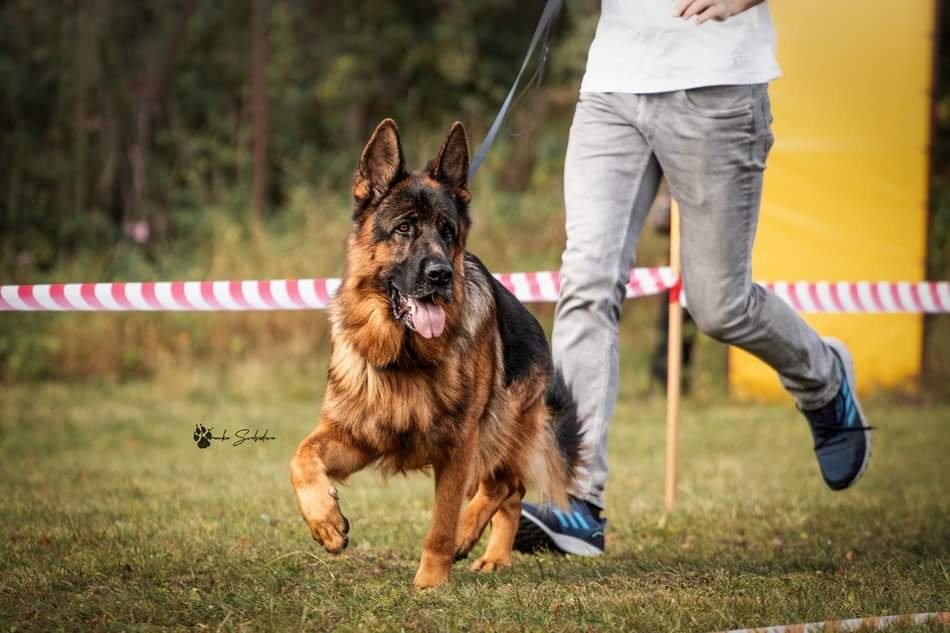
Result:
x=150 y=95
x=259 y=106
x=84 y=60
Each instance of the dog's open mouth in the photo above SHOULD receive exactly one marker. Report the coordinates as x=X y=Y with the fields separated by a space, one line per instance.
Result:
x=421 y=314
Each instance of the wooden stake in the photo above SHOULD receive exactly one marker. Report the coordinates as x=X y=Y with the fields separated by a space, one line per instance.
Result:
x=674 y=359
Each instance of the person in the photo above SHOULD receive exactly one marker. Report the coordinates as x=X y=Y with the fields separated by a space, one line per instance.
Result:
x=679 y=89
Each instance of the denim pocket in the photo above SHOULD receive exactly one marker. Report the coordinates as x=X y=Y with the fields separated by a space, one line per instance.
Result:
x=720 y=102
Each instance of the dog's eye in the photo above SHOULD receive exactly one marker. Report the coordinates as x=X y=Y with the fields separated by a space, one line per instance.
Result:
x=404 y=228
x=447 y=232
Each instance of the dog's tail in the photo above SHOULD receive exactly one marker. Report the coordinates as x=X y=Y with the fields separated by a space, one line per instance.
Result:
x=565 y=440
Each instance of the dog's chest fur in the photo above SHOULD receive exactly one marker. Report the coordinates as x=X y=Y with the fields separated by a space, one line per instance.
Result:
x=412 y=411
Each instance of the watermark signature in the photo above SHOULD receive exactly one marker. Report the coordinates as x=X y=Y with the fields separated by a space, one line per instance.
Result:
x=203 y=436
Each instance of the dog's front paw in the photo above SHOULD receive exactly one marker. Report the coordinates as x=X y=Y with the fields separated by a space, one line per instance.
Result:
x=433 y=570
x=429 y=578
x=333 y=533
x=327 y=524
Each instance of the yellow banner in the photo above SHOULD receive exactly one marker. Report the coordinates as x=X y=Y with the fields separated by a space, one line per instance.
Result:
x=846 y=184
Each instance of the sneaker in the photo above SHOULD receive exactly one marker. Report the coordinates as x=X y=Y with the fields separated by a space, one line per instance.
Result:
x=842 y=436
x=544 y=527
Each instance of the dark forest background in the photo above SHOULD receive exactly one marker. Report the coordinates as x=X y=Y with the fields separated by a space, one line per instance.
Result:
x=119 y=116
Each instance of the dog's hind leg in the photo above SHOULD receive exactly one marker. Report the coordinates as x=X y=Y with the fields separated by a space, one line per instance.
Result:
x=491 y=494
x=322 y=456
x=504 y=525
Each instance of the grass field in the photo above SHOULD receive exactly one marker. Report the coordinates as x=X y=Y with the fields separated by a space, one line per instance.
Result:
x=113 y=519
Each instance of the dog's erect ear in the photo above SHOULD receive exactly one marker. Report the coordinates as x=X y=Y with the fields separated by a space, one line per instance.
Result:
x=381 y=164
x=451 y=164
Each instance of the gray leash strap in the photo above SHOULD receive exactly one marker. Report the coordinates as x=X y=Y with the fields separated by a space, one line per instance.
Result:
x=551 y=10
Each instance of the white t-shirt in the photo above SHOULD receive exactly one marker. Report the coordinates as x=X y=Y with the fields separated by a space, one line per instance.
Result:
x=640 y=47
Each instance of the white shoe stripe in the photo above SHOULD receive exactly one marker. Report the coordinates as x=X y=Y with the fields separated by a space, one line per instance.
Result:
x=565 y=543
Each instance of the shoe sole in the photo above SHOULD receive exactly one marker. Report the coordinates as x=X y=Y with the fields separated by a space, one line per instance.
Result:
x=562 y=542
x=841 y=351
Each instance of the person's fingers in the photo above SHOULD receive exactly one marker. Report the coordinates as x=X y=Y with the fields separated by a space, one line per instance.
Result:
x=696 y=7
x=702 y=10
x=679 y=7
x=713 y=12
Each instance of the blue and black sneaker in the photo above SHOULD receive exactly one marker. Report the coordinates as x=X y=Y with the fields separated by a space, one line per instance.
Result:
x=544 y=527
x=842 y=435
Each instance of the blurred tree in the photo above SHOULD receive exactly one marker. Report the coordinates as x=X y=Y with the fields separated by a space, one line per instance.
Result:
x=123 y=120
x=259 y=105
x=150 y=87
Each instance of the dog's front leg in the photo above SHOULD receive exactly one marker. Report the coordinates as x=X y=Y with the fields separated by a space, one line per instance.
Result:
x=438 y=549
x=324 y=455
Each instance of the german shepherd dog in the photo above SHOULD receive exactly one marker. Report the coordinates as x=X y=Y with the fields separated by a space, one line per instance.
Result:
x=433 y=364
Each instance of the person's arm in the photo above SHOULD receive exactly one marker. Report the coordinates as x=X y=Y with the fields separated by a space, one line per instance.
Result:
x=711 y=9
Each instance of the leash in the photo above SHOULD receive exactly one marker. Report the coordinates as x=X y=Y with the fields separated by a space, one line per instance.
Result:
x=551 y=10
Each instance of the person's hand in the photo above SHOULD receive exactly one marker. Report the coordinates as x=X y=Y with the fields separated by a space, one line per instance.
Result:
x=711 y=9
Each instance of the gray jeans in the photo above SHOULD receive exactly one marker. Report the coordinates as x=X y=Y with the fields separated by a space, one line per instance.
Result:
x=711 y=144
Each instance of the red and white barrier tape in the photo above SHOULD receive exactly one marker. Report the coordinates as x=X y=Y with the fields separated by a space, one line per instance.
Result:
x=854 y=624
x=309 y=294
x=276 y=294
x=929 y=297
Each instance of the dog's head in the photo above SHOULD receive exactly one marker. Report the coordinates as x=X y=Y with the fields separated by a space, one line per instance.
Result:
x=409 y=229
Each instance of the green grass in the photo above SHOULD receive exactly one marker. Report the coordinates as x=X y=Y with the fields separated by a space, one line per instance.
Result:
x=113 y=519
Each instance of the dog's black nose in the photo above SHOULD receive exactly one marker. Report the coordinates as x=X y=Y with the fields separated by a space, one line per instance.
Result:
x=438 y=273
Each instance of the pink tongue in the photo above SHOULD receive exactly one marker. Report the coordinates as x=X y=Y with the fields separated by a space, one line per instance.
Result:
x=427 y=318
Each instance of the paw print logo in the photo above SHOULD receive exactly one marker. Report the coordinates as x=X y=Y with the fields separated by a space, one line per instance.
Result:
x=202 y=436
